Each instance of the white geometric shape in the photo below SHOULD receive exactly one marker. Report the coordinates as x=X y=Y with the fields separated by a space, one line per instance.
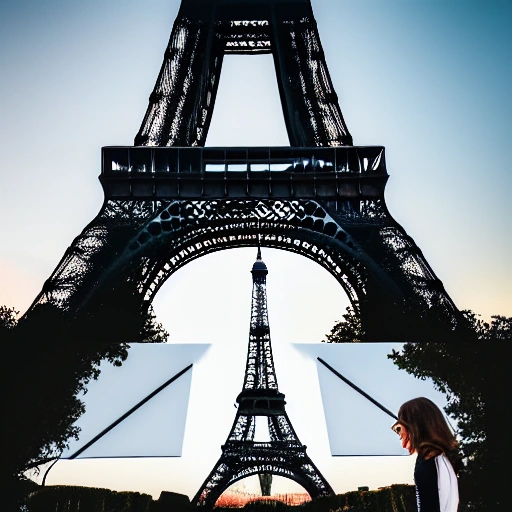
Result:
x=355 y=425
x=156 y=428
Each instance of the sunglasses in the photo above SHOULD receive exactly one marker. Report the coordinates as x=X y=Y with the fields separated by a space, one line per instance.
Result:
x=397 y=428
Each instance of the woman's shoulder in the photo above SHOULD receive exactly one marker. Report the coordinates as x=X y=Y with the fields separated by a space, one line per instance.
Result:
x=424 y=464
x=439 y=462
x=428 y=451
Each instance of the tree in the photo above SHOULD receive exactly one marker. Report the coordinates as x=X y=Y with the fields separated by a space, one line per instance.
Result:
x=347 y=330
x=8 y=318
x=472 y=374
x=153 y=331
x=49 y=363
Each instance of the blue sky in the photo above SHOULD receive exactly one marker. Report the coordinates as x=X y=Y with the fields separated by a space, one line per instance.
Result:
x=427 y=79
x=430 y=80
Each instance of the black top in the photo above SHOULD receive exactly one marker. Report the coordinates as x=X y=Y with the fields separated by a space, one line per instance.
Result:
x=425 y=478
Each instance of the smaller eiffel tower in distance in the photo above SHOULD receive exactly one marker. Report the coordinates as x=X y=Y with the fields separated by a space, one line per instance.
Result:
x=283 y=454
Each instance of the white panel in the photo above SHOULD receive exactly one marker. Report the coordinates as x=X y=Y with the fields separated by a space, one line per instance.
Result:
x=355 y=425
x=155 y=429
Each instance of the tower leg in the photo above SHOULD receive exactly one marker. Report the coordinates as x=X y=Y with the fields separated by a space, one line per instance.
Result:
x=265 y=483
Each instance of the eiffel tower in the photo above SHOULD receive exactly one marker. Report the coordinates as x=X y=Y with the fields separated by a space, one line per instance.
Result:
x=242 y=456
x=168 y=199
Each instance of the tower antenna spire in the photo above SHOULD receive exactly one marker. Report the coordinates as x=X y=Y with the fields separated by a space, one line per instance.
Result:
x=258 y=257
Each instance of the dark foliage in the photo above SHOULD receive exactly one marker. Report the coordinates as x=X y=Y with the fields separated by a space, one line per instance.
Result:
x=8 y=318
x=395 y=498
x=472 y=373
x=48 y=365
x=87 y=499
x=348 y=330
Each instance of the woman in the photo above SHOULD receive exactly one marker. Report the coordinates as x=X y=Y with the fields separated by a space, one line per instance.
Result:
x=423 y=430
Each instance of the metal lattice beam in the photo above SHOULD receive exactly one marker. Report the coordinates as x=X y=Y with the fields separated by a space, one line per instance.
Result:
x=181 y=104
x=168 y=200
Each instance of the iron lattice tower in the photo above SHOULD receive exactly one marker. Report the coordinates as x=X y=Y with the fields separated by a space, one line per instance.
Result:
x=169 y=200
x=283 y=454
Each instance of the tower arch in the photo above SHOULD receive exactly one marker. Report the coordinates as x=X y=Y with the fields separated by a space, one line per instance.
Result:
x=169 y=200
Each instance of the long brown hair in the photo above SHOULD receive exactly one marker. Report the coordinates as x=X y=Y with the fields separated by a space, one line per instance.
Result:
x=430 y=434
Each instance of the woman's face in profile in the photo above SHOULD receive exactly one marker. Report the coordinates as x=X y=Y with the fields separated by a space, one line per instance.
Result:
x=405 y=439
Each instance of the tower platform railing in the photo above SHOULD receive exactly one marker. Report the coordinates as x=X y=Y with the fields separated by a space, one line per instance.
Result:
x=143 y=172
